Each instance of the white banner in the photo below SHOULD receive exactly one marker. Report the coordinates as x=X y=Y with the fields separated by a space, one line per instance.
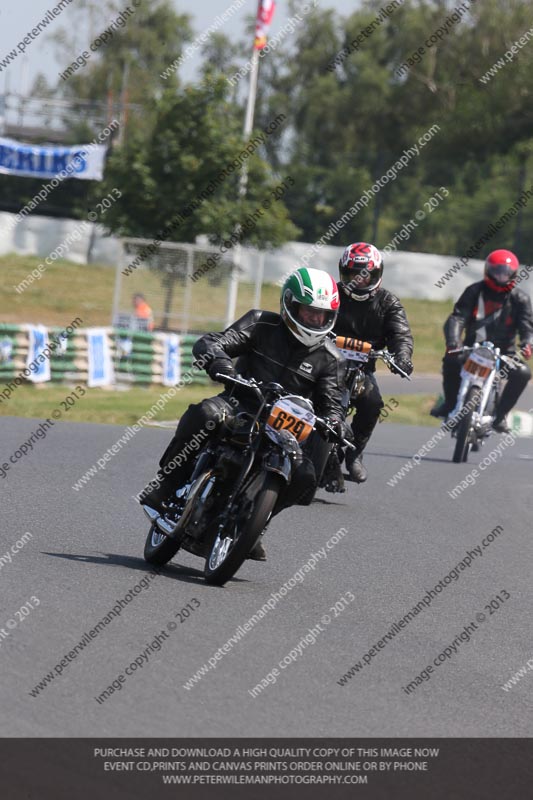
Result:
x=85 y=161
x=101 y=371
x=37 y=363
x=171 y=359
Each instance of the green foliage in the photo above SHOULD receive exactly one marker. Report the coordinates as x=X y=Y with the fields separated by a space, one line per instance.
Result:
x=345 y=125
x=196 y=137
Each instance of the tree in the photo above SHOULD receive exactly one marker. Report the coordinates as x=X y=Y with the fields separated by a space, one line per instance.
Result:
x=181 y=181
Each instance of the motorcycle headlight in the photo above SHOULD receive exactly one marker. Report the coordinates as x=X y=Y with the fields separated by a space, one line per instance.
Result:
x=289 y=443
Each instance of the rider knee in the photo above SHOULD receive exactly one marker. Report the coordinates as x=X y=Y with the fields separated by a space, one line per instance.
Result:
x=209 y=409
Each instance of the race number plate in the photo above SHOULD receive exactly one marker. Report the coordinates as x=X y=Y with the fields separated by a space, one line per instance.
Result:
x=354 y=349
x=477 y=366
x=288 y=415
x=351 y=355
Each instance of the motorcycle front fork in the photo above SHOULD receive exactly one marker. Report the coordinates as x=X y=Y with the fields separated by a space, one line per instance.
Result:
x=487 y=404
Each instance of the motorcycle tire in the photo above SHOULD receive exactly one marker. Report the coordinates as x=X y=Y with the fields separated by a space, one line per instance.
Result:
x=158 y=548
x=229 y=552
x=463 y=435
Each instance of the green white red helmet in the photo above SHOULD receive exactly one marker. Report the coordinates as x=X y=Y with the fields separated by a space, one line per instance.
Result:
x=313 y=289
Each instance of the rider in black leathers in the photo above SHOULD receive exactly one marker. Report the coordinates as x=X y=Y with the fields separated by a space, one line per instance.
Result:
x=375 y=315
x=495 y=310
x=285 y=348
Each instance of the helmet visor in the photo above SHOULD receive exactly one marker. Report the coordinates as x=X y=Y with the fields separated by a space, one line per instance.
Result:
x=361 y=278
x=501 y=273
x=311 y=318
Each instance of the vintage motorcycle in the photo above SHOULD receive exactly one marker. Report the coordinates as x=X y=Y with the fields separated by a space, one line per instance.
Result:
x=471 y=420
x=357 y=354
x=236 y=482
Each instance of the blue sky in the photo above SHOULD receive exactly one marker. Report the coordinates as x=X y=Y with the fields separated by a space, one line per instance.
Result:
x=17 y=18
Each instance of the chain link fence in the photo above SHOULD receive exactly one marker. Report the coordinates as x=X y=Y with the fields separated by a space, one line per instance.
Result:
x=189 y=288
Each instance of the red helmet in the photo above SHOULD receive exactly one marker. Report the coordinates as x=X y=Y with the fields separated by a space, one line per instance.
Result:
x=501 y=268
x=361 y=270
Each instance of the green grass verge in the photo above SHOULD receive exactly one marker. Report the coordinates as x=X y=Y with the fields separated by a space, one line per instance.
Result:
x=67 y=290
x=101 y=405
x=125 y=408
x=412 y=409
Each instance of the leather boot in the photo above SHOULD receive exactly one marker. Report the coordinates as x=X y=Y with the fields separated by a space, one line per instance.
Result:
x=357 y=471
x=258 y=552
x=354 y=460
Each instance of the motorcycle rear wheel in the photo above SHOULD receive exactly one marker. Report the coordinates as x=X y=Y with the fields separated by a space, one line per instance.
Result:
x=464 y=429
x=230 y=551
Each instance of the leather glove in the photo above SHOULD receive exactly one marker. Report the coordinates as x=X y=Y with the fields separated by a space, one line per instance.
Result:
x=404 y=364
x=221 y=365
x=526 y=350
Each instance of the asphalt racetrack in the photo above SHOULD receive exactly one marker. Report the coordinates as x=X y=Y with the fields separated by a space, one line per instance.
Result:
x=85 y=554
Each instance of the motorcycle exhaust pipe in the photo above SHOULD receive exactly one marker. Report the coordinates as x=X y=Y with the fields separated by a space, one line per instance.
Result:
x=151 y=513
x=156 y=518
x=166 y=527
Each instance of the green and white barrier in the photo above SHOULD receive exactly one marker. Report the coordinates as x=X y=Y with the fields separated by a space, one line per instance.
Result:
x=120 y=356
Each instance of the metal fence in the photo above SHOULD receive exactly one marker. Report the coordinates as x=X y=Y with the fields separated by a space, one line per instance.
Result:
x=189 y=288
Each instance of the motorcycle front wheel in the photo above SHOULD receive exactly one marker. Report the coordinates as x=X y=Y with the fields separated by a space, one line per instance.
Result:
x=159 y=549
x=231 y=547
x=464 y=436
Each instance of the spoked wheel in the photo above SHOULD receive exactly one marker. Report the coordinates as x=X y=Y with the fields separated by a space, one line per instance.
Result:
x=465 y=435
x=159 y=549
x=232 y=546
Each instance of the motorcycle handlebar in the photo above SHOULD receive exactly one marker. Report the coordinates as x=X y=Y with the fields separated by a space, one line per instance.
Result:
x=321 y=423
x=466 y=349
x=239 y=381
x=251 y=384
x=387 y=358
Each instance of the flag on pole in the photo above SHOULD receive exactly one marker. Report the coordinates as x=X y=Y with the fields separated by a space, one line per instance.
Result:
x=265 y=12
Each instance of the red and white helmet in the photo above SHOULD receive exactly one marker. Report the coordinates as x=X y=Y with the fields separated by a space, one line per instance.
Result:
x=361 y=270
x=501 y=268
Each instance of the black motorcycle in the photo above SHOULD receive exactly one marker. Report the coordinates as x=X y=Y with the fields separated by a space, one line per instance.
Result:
x=236 y=482
x=357 y=354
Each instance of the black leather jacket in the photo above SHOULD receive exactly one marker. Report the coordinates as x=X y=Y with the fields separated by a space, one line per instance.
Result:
x=271 y=353
x=380 y=320
x=515 y=317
